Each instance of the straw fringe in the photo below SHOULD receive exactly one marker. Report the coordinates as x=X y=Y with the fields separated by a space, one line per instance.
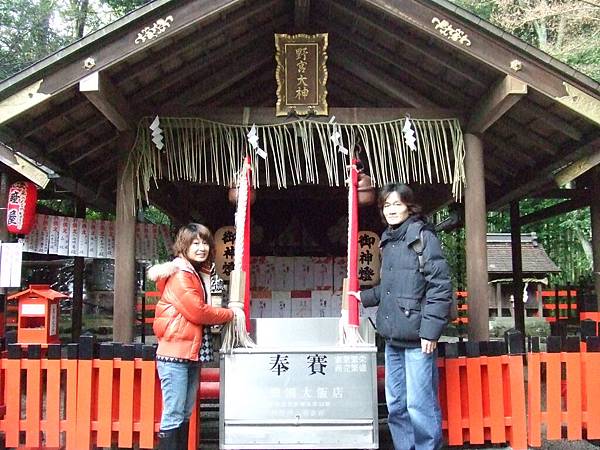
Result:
x=204 y=151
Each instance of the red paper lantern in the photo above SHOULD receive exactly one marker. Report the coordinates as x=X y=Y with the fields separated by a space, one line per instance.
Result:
x=20 y=210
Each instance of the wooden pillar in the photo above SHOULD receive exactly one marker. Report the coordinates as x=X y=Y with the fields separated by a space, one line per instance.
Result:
x=78 y=269
x=4 y=186
x=475 y=232
x=517 y=266
x=595 y=215
x=499 y=299
x=124 y=302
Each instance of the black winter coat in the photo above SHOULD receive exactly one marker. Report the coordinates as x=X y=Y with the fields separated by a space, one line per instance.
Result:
x=412 y=305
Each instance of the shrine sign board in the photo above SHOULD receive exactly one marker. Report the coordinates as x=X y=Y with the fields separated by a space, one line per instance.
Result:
x=301 y=74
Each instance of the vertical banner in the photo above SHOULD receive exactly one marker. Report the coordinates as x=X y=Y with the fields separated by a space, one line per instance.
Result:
x=110 y=240
x=101 y=230
x=31 y=242
x=43 y=226
x=55 y=222
x=92 y=238
x=11 y=258
x=369 y=261
x=224 y=251
x=84 y=234
x=73 y=236
x=63 y=237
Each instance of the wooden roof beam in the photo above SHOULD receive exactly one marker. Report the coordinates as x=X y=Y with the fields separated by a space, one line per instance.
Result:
x=36 y=153
x=223 y=79
x=555 y=210
x=516 y=155
x=577 y=168
x=499 y=99
x=427 y=51
x=103 y=143
x=236 y=50
x=542 y=178
x=98 y=167
x=100 y=91
x=496 y=52
x=266 y=115
x=562 y=193
x=208 y=34
x=74 y=133
x=511 y=127
x=549 y=118
x=382 y=81
x=403 y=65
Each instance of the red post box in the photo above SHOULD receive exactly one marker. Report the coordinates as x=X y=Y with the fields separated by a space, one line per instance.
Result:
x=37 y=321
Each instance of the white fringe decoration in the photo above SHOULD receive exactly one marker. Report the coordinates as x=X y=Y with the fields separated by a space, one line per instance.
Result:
x=204 y=151
x=234 y=334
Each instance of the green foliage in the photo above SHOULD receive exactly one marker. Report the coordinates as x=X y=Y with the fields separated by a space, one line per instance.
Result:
x=26 y=34
x=563 y=237
x=568 y=30
x=33 y=29
x=122 y=7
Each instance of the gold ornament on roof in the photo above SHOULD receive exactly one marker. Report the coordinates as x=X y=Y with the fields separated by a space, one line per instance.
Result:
x=158 y=27
x=516 y=65
x=89 y=63
x=447 y=30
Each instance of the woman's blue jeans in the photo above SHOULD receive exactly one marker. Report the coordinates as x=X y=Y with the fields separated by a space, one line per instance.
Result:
x=411 y=392
x=179 y=385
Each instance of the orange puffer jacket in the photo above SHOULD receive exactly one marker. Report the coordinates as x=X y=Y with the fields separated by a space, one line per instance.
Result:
x=184 y=307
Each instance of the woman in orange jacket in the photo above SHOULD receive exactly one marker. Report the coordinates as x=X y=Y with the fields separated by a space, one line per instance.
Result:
x=183 y=310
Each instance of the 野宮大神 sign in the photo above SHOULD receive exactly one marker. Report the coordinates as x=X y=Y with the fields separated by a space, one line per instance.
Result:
x=301 y=74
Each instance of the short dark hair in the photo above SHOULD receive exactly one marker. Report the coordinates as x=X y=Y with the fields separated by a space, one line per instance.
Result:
x=187 y=234
x=406 y=194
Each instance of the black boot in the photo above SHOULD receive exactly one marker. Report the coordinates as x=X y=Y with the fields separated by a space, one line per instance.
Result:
x=167 y=439
x=184 y=432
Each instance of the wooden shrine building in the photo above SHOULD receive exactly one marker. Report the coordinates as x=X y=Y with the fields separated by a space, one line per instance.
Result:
x=519 y=123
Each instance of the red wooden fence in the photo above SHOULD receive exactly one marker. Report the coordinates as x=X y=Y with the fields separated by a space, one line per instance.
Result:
x=113 y=398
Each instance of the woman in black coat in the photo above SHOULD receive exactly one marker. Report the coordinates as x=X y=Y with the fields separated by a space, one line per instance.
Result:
x=414 y=299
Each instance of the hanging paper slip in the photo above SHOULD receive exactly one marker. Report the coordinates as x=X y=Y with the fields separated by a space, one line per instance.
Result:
x=54 y=234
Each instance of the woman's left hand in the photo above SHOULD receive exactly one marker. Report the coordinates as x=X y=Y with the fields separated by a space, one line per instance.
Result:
x=428 y=346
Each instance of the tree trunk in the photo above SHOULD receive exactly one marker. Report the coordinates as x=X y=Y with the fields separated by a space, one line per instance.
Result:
x=82 y=13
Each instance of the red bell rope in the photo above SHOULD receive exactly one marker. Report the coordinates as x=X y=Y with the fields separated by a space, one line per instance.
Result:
x=246 y=254
x=353 y=316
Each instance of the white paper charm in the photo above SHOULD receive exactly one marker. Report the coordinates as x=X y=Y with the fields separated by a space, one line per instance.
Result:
x=409 y=134
x=253 y=141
